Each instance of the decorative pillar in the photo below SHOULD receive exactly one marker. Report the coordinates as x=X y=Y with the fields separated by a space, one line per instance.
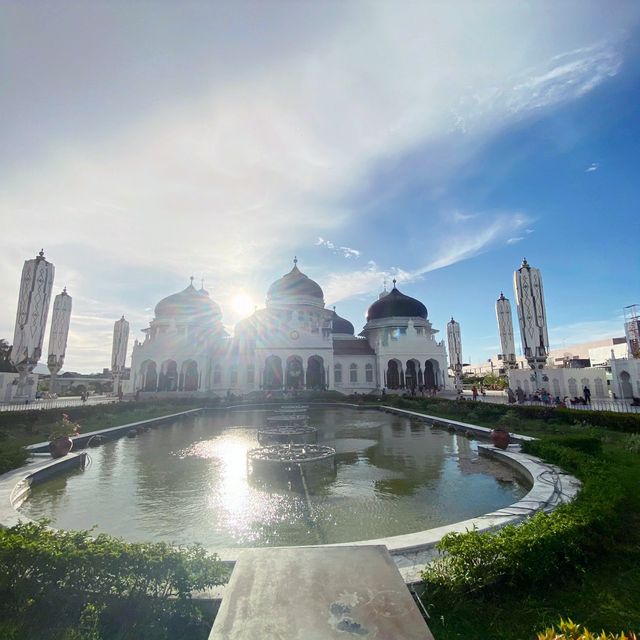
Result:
x=532 y=318
x=455 y=352
x=31 y=318
x=505 y=329
x=119 y=352
x=59 y=332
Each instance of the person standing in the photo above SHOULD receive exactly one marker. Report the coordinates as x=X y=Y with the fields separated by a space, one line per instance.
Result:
x=474 y=392
x=586 y=392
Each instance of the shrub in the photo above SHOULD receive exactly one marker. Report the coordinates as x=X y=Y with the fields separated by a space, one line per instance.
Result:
x=11 y=456
x=541 y=546
x=632 y=443
x=568 y=630
x=102 y=583
x=585 y=443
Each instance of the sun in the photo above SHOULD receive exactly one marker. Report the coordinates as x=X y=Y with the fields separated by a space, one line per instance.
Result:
x=242 y=304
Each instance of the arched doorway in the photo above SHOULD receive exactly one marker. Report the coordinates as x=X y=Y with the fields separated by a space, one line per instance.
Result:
x=626 y=387
x=429 y=375
x=315 y=373
x=393 y=375
x=190 y=375
x=294 y=377
x=411 y=375
x=168 y=378
x=273 y=373
x=149 y=376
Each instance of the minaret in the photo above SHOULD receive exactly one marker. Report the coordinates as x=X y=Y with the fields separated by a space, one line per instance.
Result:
x=455 y=350
x=527 y=284
x=59 y=332
x=505 y=329
x=31 y=317
x=119 y=352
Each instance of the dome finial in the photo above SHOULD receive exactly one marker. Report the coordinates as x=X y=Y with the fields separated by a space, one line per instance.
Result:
x=295 y=261
x=334 y=308
x=394 y=283
x=525 y=263
x=191 y=279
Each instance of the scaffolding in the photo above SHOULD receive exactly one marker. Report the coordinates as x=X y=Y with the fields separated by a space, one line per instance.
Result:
x=632 y=329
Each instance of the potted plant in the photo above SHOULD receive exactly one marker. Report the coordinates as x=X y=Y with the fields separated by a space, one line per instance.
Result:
x=500 y=437
x=60 y=442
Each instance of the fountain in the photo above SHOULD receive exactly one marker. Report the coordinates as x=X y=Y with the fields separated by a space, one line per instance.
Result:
x=291 y=462
x=288 y=435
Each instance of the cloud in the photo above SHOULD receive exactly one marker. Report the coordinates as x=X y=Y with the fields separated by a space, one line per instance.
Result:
x=514 y=240
x=345 y=252
x=594 y=166
x=465 y=241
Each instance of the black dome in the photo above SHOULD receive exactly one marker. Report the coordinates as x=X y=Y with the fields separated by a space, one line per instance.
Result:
x=341 y=325
x=396 y=304
x=188 y=303
x=294 y=284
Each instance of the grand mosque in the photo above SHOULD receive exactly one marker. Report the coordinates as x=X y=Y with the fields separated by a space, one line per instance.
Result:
x=294 y=343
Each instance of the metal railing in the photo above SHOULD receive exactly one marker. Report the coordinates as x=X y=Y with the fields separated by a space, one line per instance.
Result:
x=57 y=403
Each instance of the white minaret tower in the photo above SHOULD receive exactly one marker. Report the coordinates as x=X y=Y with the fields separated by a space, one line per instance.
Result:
x=119 y=352
x=59 y=332
x=505 y=328
x=527 y=284
x=31 y=317
x=455 y=350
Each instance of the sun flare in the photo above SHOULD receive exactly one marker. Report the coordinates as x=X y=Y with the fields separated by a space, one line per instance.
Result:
x=242 y=304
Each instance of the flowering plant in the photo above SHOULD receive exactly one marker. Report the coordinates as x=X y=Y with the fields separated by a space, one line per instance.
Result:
x=64 y=428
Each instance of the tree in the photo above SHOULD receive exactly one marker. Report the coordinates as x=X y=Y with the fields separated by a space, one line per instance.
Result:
x=5 y=352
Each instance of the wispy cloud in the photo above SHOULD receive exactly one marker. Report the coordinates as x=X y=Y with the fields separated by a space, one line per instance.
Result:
x=594 y=166
x=515 y=239
x=345 y=252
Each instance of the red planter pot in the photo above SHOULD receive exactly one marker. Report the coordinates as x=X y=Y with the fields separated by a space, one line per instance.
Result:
x=60 y=446
x=500 y=438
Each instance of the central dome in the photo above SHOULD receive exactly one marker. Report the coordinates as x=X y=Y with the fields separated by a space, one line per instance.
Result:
x=293 y=286
x=396 y=305
x=188 y=303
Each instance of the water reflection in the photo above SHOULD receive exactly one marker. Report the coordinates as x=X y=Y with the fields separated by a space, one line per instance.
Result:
x=187 y=482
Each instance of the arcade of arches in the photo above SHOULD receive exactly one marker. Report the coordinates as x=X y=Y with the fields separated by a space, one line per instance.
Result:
x=413 y=374
x=294 y=374
x=168 y=379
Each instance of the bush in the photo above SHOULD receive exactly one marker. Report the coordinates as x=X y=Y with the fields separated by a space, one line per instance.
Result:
x=11 y=456
x=585 y=443
x=542 y=546
x=568 y=630
x=56 y=580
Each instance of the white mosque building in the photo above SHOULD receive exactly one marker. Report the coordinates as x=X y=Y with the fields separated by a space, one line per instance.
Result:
x=295 y=342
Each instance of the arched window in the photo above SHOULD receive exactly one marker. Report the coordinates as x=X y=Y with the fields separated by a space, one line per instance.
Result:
x=217 y=374
x=368 y=373
x=353 y=372
x=337 y=373
x=233 y=376
x=573 y=387
x=251 y=374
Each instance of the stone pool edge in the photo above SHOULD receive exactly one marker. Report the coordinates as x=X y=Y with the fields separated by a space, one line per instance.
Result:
x=550 y=487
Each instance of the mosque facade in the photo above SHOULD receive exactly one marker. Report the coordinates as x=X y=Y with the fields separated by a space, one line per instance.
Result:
x=294 y=343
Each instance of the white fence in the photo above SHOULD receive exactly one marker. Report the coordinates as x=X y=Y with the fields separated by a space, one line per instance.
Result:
x=58 y=403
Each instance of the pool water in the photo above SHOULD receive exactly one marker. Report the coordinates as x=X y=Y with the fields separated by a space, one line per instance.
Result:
x=186 y=481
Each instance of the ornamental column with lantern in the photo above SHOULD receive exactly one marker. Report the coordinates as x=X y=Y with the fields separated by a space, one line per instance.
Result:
x=505 y=329
x=532 y=317
x=59 y=332
x=31 y=318
x=455 y=352
x=119 y=352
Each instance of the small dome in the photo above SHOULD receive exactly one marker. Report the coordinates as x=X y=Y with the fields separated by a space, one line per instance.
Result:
x=396 y=304
x=188 y=303
x=293 y=285
x=341 y=325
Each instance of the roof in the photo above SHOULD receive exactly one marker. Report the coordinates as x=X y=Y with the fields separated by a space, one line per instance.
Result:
x=396 y=304
x=355 y=347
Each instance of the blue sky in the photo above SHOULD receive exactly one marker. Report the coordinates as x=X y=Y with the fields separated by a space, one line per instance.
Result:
x=437 y=144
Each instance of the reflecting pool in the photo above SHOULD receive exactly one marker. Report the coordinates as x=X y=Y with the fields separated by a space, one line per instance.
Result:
x=186 y=482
